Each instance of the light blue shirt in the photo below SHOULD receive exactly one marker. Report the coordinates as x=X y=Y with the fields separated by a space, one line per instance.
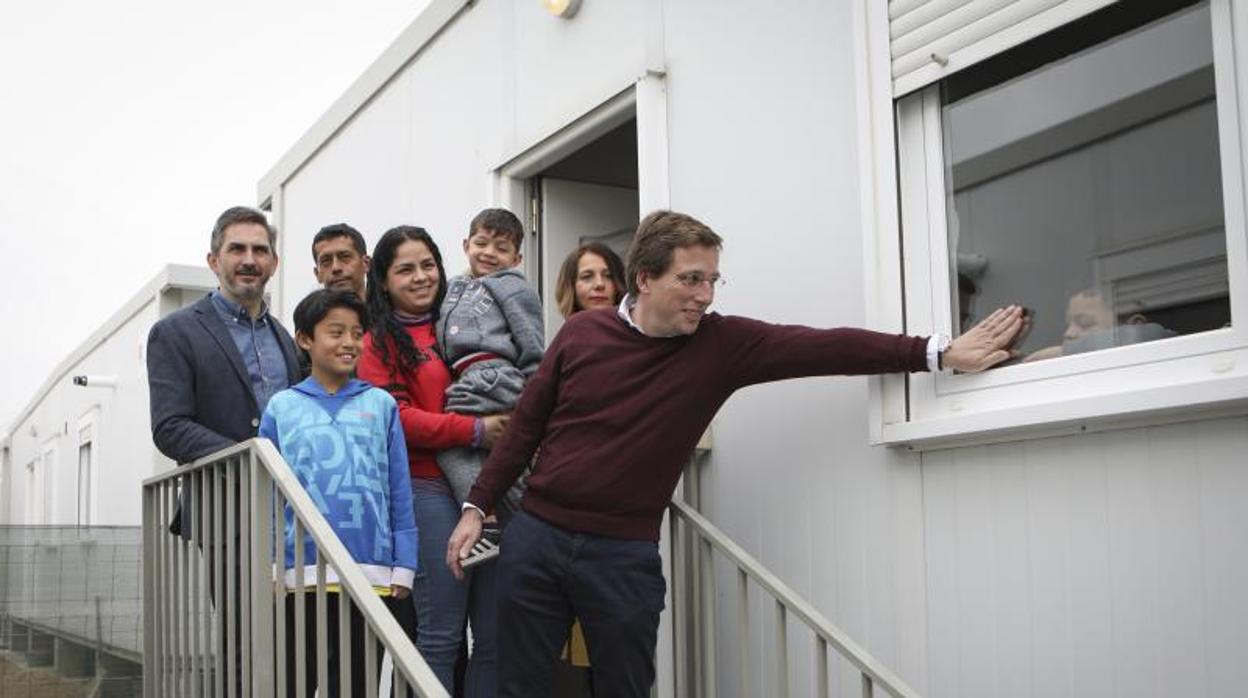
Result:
x=257 y=342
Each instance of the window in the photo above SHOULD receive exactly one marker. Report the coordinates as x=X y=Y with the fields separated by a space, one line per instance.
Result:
x=84 y=484
x=88 y=479
x=1093 y=175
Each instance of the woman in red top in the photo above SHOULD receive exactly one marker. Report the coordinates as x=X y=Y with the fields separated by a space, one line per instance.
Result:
x=405 y=289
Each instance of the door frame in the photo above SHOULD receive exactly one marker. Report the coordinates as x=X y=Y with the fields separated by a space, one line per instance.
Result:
x=511 y=188
x=646 y=100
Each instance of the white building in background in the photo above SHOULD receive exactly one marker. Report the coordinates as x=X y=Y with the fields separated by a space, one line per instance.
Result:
x=1061 y=527
x=80 y=449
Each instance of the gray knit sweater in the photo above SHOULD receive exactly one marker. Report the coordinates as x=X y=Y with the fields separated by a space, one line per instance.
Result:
x=497 y=314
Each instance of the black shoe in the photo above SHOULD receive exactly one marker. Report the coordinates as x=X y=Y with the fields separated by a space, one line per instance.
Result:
x=486 y=549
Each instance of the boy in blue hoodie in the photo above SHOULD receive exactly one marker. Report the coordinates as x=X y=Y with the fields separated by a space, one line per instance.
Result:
x=343 y=440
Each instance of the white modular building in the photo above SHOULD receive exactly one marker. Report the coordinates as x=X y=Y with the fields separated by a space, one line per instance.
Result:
x=77 y=454
x=1071 y=523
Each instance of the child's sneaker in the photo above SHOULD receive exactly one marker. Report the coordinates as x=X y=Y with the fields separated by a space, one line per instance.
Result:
x=486 y=549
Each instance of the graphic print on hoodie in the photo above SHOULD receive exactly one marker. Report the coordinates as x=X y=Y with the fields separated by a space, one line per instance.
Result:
x=348 y=452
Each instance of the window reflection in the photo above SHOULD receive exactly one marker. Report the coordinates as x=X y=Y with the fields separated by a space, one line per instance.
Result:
x=1087 y=186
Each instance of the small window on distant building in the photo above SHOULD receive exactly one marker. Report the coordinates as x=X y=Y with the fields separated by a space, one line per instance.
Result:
x=85 y=513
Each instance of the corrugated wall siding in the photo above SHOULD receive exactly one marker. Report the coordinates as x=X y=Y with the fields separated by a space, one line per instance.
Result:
x=1100 y=564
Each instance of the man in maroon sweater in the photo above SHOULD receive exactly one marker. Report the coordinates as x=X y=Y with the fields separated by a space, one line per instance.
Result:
x=616 y=408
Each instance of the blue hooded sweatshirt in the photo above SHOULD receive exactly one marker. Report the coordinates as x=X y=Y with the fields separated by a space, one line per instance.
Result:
x=349 y=454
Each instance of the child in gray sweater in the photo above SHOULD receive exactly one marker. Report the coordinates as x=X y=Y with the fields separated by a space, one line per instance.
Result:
x=490 y=333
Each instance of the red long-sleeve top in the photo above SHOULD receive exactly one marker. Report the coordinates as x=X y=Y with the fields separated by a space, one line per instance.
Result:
x=419 y=393
x=616 y=413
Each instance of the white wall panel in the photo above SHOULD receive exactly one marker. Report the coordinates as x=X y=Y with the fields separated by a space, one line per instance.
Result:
x=418 y=154
x=562 y=68
x=761 y=117
x=1220 y=451
x=1089 y=565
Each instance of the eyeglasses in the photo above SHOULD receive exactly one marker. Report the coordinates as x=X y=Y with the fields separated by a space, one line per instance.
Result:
x=695 y=279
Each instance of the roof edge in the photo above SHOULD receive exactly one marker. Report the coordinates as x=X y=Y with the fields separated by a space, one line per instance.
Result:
x=171 y=276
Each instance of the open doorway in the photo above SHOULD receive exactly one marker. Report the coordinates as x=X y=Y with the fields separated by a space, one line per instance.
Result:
x=591 y=179
x=590 y=195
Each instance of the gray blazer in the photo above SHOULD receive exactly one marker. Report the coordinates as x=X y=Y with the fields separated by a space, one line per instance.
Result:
x=201 y=396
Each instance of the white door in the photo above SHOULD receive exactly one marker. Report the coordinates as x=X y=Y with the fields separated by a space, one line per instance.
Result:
x=576 y=212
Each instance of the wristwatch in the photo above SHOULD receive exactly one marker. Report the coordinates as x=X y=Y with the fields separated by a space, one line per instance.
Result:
x=942 y=345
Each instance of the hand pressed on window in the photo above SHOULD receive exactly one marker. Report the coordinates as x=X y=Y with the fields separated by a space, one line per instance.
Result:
x=987 y=344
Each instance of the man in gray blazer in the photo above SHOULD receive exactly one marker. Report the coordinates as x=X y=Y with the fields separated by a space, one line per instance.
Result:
x=212 y=368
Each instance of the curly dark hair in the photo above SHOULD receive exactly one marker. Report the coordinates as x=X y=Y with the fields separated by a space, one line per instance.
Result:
x=387 y=332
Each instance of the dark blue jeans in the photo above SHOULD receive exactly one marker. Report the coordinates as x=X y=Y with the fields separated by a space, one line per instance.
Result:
x=545 y=576
x=442 y=602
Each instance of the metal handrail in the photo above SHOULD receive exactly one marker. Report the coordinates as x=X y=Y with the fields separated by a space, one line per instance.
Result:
x=235 y=496
x=695 y=666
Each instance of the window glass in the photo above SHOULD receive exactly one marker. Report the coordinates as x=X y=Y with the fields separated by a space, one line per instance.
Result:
x=1087 y=185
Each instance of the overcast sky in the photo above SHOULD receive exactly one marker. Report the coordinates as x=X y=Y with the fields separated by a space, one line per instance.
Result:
x=126 y=127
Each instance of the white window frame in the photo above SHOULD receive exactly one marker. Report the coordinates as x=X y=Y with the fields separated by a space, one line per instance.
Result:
x=88 y=433
x=645 y=100
x=1176 y=378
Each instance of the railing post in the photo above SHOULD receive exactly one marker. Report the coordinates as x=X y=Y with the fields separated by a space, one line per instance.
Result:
x=680 y=603
x=186 y=549
x=743 y=629
x=821 y=667
x=203 y=524
x=279 y=589
x=168 y=498
x=247 y=632
x=322 y=624
x=151 y=528
x=260 y=530
x=344 y=640
x=174 y=571
x=706 y=565
x=233 y=675
x=782 y=650
x=370 y=662
x=195 y=563
x=301 y=625
x=217 y=557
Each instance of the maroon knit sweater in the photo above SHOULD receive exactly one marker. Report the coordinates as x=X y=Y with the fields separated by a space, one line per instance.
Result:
x=617 y=414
